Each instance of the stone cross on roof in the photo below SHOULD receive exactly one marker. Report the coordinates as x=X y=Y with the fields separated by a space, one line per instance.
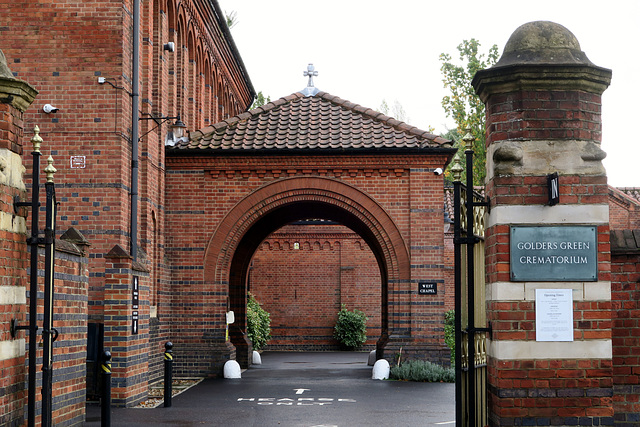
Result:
x=311 y=72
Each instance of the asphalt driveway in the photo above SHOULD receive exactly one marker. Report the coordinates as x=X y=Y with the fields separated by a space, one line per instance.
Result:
x=299 y=389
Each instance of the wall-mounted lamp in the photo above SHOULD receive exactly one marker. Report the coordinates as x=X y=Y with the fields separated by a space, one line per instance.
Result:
x=175 y=134
x=171 y=47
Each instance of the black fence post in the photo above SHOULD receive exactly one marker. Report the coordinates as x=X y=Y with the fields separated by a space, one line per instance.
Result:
x=168 y=373
x=49 y=333
x=105 y=403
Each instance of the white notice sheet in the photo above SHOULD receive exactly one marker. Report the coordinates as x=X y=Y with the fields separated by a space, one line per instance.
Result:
x=554 y=315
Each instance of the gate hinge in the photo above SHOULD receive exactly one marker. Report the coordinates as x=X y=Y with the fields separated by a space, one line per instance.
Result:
x=466 y=240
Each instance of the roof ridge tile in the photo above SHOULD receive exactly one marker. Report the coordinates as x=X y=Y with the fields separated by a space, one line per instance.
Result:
x=297 y=121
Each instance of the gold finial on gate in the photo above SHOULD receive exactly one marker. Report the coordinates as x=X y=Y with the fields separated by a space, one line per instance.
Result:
x=468 y=139
x=36 y=140
x=50 y=170
x=457 y=168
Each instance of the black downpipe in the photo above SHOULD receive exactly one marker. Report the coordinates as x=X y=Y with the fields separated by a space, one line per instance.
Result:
x=135 y=96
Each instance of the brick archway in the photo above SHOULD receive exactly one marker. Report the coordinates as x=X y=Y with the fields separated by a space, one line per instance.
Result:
x=268 y=208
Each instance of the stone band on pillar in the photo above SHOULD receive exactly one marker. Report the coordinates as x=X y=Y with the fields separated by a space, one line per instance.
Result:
x=543 y=107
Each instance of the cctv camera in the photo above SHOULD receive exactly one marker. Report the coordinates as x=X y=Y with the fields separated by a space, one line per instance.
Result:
x=437 y=171
x=169 y=46
x=48 y=108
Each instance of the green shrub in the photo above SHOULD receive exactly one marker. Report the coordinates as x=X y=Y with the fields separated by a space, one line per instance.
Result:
x=450 y=333
x=351 y=328
x=421 y=370
x=258 y=324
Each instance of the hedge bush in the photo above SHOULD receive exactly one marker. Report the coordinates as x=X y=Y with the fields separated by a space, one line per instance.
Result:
x=421 y=370
x=351 y=328
x=258 y=324
x=450 y=333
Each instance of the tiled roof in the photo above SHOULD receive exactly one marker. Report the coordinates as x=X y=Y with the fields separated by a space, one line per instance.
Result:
x=448 y=196
x=633 y=192
x=320 y=122
x=625 y=241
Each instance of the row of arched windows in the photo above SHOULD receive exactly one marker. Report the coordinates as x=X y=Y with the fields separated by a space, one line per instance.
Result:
x=190 y=81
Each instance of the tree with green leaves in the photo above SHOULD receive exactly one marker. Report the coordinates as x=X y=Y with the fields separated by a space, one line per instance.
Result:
x=463 y=105
x=396 y=111
x=260 y=100
x=232 y=18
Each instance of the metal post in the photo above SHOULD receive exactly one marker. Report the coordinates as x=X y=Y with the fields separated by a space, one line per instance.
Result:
x=49 y=334
x=168 y=373
x=470 y=292
x=471 y=332
x=457 y=255
x=105 y=402
x=33 y=278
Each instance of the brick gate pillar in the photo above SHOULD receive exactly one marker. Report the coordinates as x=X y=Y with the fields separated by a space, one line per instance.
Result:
x=126 y=326
x=15 y=97
x=548 y=265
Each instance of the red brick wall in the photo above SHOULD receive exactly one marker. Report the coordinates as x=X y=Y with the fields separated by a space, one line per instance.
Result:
x=625 y=295
x=13 y=269
x=225 y=194
x=303 y=289
x=61 y=48
x=544 y=391
x=69 y=350
x=544 y=114
x=624 y=212
x=130 y=351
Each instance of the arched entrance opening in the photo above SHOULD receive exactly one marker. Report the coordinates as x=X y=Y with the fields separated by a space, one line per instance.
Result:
x=304 y=273
x=287 y=200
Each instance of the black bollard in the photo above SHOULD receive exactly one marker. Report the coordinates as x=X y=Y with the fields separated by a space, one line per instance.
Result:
x=105 y=403
x=168 y=373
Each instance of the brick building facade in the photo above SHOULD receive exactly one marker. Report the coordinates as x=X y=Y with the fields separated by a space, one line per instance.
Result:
x=305 y=158
x=215 y=209
x=78 y=56
x=81 y=63
x=71 y=266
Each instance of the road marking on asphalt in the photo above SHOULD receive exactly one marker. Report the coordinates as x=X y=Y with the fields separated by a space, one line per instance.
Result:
x=300 y=401
x=301 y=390
x=445 y=422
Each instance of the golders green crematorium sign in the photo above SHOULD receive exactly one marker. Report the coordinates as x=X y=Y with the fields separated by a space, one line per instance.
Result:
x=562 y=253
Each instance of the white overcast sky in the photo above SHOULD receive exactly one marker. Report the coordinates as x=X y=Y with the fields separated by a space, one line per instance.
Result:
x=369 y=50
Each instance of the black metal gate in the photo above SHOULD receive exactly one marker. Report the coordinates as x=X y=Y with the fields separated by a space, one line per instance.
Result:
x=470 y=307
x=49 y=333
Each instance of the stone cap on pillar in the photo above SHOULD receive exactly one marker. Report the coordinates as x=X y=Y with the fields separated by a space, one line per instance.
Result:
x=19 y=94
x=541 y=55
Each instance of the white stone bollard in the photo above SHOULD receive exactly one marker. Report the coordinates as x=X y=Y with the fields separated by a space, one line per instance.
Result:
x=381 y=370
x=256 y=359
x=372 y=358
x=232 y=369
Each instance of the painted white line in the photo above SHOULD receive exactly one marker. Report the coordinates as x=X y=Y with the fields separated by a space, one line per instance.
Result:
x=445 y=422
x=301 y=390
